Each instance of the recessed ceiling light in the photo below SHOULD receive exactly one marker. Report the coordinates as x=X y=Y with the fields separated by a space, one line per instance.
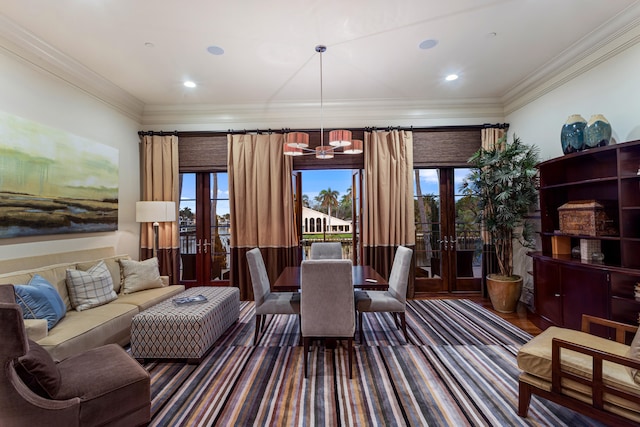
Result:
x=189 y=83
x=149 y=45
x=215 y=50
x=451 y=77
x=428 y=44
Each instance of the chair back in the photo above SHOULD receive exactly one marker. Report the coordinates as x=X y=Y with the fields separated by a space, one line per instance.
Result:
x=13 y=335
x=327 y=305
x=400 y=273
x=326 y=250
x=259 y=276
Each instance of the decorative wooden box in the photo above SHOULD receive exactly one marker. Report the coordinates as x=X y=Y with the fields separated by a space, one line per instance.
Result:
x=585 y=218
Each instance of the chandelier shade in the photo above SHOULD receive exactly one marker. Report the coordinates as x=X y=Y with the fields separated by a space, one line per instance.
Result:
x=291 y=151
x=297 y=140
x=354 y=148
x=340 y=138
x=324 y=152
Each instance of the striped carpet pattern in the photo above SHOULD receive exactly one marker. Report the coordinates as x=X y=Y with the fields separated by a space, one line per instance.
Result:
x=458 y=369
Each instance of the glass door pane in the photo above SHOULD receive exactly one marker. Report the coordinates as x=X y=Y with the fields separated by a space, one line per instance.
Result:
x=468 y=244
x=429 y=266
x=187 y=221
x=218 y=240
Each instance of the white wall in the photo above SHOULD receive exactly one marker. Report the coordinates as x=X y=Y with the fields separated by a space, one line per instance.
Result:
x=36 y=95
x=612 y=89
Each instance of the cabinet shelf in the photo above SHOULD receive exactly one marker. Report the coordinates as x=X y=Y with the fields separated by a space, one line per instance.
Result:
x=579 y=236
x=566 y=287
x=581 y=182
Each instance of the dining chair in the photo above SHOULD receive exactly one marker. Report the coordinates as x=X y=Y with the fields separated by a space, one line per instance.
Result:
x=393 y=300
x=327 y=305
x=326 y=250
x=267 y=302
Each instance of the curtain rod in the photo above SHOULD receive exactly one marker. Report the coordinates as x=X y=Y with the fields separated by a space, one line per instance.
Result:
x=161 y=133
x=362 y=129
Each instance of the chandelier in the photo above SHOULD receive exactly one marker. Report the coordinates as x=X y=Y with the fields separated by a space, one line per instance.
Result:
x=297 y=143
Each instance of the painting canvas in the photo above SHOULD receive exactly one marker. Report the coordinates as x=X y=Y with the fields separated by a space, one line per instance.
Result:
x=53 y=182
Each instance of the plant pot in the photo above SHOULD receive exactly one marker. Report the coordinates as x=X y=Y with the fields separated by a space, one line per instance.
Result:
x=504 y=292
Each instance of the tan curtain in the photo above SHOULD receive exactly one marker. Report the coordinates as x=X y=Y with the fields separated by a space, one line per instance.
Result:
x=261 y=205
x=490 y=139
x=388 y=217
x=160 y=182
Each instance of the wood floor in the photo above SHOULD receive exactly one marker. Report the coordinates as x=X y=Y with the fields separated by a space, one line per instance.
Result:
x=520 y=318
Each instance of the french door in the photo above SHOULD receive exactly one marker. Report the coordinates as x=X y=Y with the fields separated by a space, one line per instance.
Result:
x=448 y=243
x=205 y=229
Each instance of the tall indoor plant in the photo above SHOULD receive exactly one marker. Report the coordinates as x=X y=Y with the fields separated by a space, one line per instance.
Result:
x=504 y=180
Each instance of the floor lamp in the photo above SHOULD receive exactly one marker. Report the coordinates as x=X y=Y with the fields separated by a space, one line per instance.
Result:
x=155 y=212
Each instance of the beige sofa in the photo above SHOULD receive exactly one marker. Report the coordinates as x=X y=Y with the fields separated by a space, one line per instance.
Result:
x=79 y=331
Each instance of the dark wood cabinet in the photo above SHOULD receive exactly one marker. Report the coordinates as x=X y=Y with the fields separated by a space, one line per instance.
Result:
x=567 y=287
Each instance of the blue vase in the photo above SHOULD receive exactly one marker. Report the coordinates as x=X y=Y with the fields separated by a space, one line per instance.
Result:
x=598 y=132
x=572 y=135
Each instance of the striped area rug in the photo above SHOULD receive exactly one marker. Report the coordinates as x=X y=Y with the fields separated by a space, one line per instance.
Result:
x=458 y=369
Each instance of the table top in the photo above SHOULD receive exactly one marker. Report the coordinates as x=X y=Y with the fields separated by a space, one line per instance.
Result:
x=289 y=279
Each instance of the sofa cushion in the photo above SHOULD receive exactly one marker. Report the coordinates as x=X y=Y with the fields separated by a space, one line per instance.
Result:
x=40 y=300
x=140 y=275
x=90 y=288
x=113 y=265
x=82 y=330
x=38 y=371
x=149 y=297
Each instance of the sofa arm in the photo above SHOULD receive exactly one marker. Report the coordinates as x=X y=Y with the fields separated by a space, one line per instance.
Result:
x=36 y=328
x=621 y=329
x=596 y=383
x=165 y=281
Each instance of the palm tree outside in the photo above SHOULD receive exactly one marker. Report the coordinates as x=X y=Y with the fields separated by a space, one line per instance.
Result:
x=328 y=199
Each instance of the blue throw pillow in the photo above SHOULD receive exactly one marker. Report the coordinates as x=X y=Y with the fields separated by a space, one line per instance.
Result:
x=40 y=300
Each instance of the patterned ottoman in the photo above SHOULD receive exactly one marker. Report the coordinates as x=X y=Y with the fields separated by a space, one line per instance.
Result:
x=170 y=331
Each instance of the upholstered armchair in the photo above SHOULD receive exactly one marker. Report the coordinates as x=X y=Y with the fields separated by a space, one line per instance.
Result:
x=326 y=250
x=267 y=302
x=100 y=387
x=393 y=300
x=327 y=305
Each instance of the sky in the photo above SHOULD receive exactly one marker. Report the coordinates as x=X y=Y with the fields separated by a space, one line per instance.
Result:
x=313 y=182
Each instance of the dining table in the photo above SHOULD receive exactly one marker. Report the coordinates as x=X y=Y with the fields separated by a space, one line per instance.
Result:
x=364 y=277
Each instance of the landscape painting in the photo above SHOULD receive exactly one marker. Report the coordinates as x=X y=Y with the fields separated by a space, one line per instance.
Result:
x=53 y=182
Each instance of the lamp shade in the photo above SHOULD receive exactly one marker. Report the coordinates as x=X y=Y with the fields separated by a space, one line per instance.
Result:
x=297 y=140
x=324 y=152
x=291 y=151
x=155 y=211
x=340 y=138
x=355 y=148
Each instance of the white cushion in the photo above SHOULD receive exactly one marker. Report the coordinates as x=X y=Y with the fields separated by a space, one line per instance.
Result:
x=140 y=275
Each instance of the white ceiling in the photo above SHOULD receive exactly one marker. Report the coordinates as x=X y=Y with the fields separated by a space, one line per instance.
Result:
x=499 y=48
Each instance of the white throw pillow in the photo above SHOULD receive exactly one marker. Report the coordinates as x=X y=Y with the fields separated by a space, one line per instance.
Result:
x=91 y=288
x=140 y=275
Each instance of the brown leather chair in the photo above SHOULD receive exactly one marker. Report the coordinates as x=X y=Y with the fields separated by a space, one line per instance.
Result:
x=103 y=386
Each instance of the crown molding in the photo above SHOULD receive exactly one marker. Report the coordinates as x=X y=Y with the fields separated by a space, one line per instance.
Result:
x=376 y=112
x=606 y=41
x=44 y=58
